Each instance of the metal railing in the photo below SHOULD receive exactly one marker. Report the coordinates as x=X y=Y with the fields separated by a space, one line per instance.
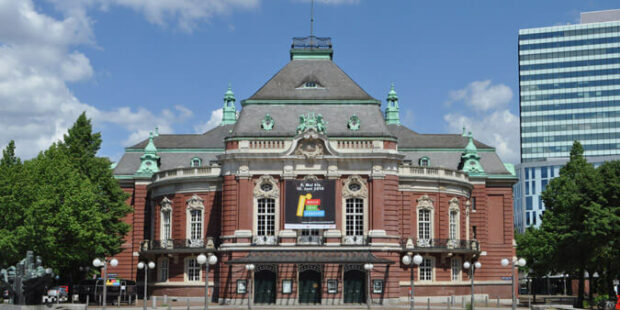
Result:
x=310 y=240
x=171 y=244
x=264 y=240
x=447 y=244
x=354 y=240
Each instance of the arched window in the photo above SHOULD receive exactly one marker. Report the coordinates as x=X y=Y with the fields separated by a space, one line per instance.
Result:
x=425 y=161
x=196 y=162
x=355 y=210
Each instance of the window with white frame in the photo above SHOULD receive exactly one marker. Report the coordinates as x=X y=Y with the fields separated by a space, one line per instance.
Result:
x=454 y=217
x=266 y=217
x=165 y=222
x=424 y=224
x=193 y=270
x=354 y=217
x=424 y=220
x=195 y=224
x=163 y=269
x=166 y=218
x=195 y=221
x=426 y=269
x=455 y=267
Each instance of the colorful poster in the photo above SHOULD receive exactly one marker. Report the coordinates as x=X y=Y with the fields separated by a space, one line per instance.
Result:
x=310 y=204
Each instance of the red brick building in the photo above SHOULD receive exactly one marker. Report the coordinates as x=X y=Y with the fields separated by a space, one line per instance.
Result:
x=309 y=182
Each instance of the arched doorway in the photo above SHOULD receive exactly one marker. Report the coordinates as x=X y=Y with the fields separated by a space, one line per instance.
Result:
x=354 y=288
x=310 y=287
x=265 y=287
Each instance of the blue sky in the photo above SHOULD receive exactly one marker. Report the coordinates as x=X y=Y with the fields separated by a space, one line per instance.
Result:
x=137 y=64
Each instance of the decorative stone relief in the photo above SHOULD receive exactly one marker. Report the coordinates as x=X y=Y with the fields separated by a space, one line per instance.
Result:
x=195 y=203
x=314 y=267
x=166 y=204
x=348 y=267
x=310 y=148
x=354 y=187
x=454 y=204
x=425 y=202
x=266 y=187
x=267 y=123
x=269 y=267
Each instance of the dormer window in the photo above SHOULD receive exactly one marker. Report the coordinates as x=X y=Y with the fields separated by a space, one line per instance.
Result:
x=311 y=84
x=425 y=161
x=196 y=162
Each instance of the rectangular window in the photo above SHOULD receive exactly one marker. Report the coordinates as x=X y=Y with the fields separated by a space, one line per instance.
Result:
x=553 y=171
x=533 y=187
x=527 y=188
x=473 y=203
x=534 y=218
x=527 y=173
x=456 y=269
x=474 y=231
x=454 y=217
x=424 y=224
x=193 y=270
x=163 y=270
x=543 y=185
x=527 y=218
x=426 y=270
x=266 y=225
x=528 y=203
x=543 y=172
x=354 y=217
x=166 y=225
x=195 y=225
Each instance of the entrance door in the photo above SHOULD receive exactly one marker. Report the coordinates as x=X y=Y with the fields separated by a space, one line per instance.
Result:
x=354 y=286
x=265 y=287
x=310 y=287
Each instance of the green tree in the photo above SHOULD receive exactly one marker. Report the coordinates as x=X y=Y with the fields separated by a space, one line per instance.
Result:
x=574 y=216
x=65 y=204
x=609 y=253
x=538 y=249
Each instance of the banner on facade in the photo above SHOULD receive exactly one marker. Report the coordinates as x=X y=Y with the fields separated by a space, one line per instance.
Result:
x=310 y=204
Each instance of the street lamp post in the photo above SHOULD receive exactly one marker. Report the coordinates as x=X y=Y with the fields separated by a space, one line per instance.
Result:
x=250 y=268
x=472 y=269
x=143 y=265
x=104 y=263
x=202 y=259
x=515 y=264
x=412 y=262
x=368 y=267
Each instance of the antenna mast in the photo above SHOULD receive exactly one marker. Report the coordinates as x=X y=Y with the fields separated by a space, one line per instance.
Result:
x=311 y=21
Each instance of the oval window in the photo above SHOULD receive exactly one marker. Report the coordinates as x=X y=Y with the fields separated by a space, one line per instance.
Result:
x=354 y=187
x=266 y=187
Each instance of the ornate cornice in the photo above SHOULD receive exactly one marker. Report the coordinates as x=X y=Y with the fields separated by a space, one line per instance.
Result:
x=425 y=202
x=166 y=204
x=259 y=189
x=347 y=192
x=454 y=204
x=195 y=203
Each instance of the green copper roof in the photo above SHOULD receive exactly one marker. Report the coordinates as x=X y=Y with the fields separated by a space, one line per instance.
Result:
x=149 y=162
x=392 y=112
x=229 y=111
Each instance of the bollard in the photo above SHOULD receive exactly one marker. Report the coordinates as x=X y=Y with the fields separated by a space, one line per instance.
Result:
x=463 y=302
x=498 y=301
x=87 y=300
x=452 y=298
x=448 y=303
x=166 y=299
x=154 y=302
x=529 y=302
x=130 y=299
x=428 y=304
x=486 y=301
x=188 y=304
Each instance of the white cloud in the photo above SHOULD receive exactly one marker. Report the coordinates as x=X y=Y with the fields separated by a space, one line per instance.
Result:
x=215 y=120
x=39 y=57
x=492 y=123
x=483 y=96
x=186 y=14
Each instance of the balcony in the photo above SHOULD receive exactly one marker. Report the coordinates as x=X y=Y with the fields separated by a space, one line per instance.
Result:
x=409 y=171
x=310 y=240
x=264 y=240
x=207 y=171
x=177 y=246
x=354 y=240
x=440 y=245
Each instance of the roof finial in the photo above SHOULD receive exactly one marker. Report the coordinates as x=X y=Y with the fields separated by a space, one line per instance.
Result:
x=229 y=112
x=392 y=116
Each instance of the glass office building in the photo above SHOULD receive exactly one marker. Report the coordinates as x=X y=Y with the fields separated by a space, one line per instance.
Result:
x=569 y=89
